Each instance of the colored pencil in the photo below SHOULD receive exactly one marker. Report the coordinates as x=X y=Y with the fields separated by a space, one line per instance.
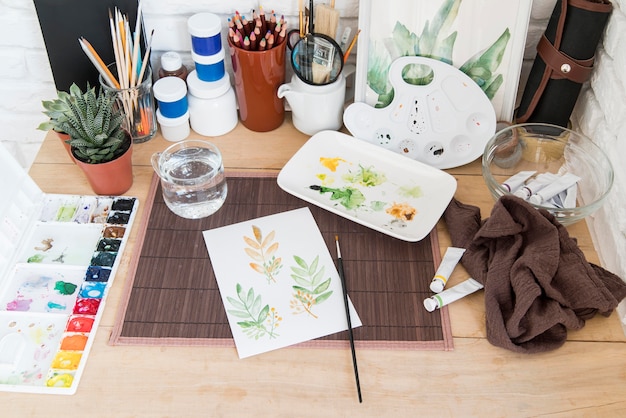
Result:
x=98 y=63
x=352 y=43
x=135 y=59
x=259 y=34
x=146 y=58
x=347 y=306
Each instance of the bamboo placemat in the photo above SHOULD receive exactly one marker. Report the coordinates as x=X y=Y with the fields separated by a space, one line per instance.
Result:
x=171 y=296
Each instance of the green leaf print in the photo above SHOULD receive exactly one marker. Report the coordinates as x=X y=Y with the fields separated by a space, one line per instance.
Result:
x=348 y=197
x=260 y=320
x=309 y=290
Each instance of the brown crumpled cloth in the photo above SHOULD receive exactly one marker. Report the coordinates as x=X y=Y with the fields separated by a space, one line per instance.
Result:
x=537 y=281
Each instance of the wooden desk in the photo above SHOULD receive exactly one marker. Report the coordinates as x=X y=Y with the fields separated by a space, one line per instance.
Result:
x=586 y=377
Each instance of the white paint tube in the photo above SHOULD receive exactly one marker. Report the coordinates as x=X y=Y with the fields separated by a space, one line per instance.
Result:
x=452 y=294
x=532 y=187
x=566 y=199
x=546 y=193
x=448 y=263
x=570 y=197
x=517 y=180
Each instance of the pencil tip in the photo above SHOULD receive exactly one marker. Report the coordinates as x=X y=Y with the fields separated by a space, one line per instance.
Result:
x=336 y=237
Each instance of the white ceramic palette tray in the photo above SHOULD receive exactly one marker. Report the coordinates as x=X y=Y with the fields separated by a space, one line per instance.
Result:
x=58 y=257
x=371 y=186
x=445 y=123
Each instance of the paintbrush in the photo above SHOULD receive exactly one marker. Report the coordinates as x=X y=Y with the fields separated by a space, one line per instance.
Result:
x=347 y=306
x=326 y=19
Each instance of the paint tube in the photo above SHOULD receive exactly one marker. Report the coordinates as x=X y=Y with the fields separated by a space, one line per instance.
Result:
x=546 y=193
x=517 y=180
x=452 y=294
x=535 y=185
x=569 y=201
x=450 y=260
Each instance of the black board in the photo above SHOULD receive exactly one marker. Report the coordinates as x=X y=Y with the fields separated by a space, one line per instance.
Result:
x=64 y=21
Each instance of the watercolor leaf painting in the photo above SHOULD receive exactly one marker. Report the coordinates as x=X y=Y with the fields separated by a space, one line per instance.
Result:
x=484 y=39
x=262 y=251
x=359 y=183
x=259 y=320
x=436 y=41
x=310 y=290
x=265 y=315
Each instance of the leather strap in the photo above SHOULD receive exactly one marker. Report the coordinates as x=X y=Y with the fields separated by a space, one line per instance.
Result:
x=598 y=6
x=574 y=70
x=562 y=65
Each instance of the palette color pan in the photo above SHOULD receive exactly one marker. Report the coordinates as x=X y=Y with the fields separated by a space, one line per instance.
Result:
x=53 y=287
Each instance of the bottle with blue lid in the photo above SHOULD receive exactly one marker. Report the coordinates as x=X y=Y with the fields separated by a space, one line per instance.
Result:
x=173 y=107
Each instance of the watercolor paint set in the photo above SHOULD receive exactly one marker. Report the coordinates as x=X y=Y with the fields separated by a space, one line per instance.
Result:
x=58 y=257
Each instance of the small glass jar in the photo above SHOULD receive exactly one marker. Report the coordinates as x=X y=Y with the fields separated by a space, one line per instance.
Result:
x=212 y=105
x=172 y=66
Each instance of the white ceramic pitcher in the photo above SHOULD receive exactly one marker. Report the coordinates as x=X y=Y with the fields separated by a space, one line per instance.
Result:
x=315 y=108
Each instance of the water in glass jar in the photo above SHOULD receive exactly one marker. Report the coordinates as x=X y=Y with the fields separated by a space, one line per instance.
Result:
x=193 y=182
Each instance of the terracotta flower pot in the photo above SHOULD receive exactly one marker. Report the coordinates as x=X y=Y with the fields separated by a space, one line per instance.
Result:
x=64 y=137
x=112 y=178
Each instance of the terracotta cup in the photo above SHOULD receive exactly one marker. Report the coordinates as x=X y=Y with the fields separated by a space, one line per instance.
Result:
x=258 y=74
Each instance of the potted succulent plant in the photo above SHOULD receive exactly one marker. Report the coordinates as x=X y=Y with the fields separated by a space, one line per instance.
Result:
x=56 y=111
x=99 y=144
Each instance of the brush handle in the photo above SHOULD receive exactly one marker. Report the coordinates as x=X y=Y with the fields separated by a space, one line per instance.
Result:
x=350 y=333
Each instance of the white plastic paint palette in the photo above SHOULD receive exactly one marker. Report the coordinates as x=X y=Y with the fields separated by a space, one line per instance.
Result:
x=58 y=258
x=445 y=123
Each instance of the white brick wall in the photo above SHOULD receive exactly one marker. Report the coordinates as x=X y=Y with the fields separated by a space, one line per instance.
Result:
x=599 y=114
x=26 y=79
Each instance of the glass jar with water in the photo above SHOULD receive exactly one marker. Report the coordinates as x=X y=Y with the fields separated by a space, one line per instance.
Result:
x=192 y=178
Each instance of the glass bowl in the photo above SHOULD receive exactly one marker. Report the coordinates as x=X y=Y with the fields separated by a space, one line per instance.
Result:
x=541 y=148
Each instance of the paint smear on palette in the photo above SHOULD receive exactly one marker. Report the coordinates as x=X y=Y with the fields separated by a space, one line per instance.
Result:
x=36 y=288
x=92 y=290
x=74 y=342
x=28 y=344
x=87 y=306
x=67 y=244
x=103 y=259
x=97 y=274
x=80 y=323
x=114 y=232
x=109 y=244
x=60 y=379
x=101 y=211
x=123 y=204
x=85 y=208
x=118 y=218
x=67 y=209
x=66 y=360
x=51 y=208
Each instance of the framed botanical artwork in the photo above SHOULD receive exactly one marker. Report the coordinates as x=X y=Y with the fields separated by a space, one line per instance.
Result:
x=483 y=38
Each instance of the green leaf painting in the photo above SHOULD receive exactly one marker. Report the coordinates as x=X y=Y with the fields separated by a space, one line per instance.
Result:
x=258 y=320
x=311 y=286
x=436 y=40
x=348 y=197
x=365 y=176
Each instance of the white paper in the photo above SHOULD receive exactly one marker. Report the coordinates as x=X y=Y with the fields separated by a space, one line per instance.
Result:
x=263 y=267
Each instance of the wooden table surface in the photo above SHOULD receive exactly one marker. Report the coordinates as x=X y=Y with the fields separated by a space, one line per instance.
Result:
x=585 y=377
